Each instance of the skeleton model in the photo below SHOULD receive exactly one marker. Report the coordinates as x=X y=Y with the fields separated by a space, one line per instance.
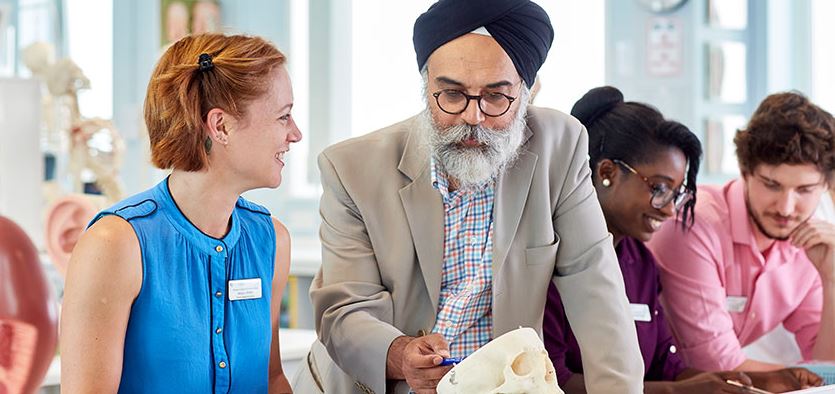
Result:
x=515 y=362
x=95 y=146
x=59 y=105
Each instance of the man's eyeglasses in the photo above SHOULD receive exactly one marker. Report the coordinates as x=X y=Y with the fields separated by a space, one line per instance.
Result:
x=455 y=102
x=661 y=193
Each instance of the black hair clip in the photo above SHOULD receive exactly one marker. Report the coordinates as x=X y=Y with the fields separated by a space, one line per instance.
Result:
x=204 y=62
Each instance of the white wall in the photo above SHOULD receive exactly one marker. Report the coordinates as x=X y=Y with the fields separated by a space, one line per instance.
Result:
x=823 y=54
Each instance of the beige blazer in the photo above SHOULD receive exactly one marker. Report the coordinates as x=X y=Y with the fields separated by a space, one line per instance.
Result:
x=382 y=239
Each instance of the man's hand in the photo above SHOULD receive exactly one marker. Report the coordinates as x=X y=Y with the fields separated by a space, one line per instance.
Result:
x=785 y=379
x=417 y=361
x=817 y=238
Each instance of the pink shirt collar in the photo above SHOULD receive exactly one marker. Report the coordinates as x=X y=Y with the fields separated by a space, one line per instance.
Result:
x=741 y=229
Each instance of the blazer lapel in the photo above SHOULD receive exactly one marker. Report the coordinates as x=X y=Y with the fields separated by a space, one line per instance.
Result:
x=511 y=195
x=425 y=213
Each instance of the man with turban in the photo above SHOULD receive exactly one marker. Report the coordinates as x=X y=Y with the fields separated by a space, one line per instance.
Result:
x=444 y=231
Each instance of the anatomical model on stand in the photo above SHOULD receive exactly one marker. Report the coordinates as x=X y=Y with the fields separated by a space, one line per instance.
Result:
x=28 y=313
x=94 y=145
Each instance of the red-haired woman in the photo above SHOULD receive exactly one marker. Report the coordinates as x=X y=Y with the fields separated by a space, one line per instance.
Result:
x=177 y=289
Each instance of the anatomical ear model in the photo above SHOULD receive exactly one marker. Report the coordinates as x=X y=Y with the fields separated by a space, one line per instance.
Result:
x=515 y=362
x=66 y=219
x=28 y=315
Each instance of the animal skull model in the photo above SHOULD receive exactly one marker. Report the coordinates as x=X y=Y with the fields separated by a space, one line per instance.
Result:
x=515 y=362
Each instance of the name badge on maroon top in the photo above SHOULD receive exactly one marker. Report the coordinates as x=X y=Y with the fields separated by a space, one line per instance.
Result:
x=640 y=312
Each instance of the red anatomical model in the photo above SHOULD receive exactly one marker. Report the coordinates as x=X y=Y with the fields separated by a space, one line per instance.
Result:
x=28 y=317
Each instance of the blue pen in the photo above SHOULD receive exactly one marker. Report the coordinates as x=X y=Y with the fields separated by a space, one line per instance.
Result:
x=451 y=361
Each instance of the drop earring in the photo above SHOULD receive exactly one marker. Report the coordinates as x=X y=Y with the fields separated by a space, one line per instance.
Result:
x=207 y=145
x=606 y=182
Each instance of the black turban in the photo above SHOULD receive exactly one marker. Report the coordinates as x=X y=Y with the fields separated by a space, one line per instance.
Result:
x=521 y=27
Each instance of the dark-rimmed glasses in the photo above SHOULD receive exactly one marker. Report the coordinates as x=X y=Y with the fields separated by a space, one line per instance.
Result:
x=661 y=193
x=455 y=102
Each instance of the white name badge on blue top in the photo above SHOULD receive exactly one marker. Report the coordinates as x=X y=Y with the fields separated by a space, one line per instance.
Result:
x=640 y=312
x=244 y=289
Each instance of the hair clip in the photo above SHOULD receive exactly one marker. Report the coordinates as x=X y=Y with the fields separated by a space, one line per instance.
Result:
x=204 y=62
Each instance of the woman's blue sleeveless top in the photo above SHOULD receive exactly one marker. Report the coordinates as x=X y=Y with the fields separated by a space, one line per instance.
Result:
x=187 y=333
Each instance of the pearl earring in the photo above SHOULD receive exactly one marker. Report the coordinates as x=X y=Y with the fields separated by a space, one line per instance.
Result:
x=606 y=183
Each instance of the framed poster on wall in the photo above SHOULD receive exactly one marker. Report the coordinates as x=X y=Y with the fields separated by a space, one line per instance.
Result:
x=665 y=50
x=183 y=17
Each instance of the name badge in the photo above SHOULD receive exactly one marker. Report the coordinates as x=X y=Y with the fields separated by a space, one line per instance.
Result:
x=640 y=312
x=244 y=289
x=735 y=303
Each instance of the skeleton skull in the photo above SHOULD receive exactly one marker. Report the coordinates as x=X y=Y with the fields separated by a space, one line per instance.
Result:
x=39 y=57
x=515 y=362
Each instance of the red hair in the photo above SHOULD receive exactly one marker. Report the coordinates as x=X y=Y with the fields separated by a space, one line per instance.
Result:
x=180 y=95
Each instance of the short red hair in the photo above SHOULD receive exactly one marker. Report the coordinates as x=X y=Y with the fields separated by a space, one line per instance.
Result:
x=180 y=95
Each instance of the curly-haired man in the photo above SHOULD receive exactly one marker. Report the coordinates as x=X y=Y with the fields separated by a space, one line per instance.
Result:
x=755 y=258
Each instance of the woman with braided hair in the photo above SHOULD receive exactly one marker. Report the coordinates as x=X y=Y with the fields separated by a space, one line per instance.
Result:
x=644 y=169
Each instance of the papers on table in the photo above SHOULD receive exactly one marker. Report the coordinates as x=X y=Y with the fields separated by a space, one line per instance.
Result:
x=825 y=370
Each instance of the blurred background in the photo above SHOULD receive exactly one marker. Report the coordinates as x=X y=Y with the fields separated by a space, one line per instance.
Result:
x=73 y=75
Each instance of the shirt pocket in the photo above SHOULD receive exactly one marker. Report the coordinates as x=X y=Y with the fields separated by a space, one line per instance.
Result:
x=542 y=255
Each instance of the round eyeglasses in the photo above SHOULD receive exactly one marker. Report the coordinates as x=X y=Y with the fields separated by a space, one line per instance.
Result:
x=661 y=193
x=455 y=102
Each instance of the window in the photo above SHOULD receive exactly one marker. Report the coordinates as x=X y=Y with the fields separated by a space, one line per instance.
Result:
x=90 y=46
x=386 y=83
x=38 y=21
x=576 y=62
x=299 y=65
x=823 y=54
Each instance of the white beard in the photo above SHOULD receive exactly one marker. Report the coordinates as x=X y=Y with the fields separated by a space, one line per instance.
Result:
x=472 y=167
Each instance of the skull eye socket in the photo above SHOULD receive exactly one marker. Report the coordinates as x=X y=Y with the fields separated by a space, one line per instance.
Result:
x=525 y=363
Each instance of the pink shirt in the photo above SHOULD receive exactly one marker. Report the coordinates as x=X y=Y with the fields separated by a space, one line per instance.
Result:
x=721 y=293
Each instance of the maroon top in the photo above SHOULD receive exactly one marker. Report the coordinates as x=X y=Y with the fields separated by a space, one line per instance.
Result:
x=642 y=287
